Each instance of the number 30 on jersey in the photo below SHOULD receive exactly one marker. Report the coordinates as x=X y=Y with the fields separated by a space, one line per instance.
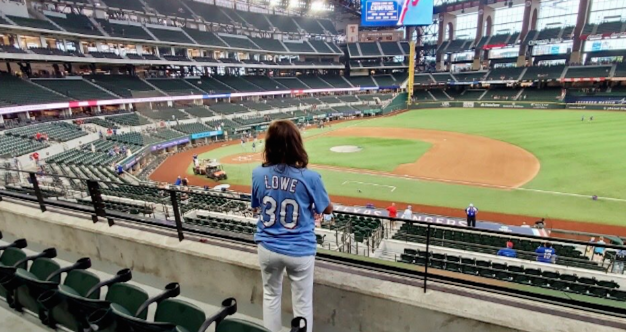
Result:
x=269 y=218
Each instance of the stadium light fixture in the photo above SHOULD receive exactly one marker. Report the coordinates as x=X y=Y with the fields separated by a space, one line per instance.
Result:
x=317 y=6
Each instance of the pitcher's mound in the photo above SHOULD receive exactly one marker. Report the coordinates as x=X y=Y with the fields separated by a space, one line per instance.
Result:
x=345 y=149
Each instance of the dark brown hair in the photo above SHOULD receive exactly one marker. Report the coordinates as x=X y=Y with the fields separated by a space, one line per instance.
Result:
x=283 y=145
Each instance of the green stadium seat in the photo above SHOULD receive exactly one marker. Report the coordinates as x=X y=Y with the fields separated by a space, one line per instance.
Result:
x=181 y=314
x=452 y=266
x=468 y=261
x=486 y=272
x=521 y=279
x=420 y=261
x=10 y=259
x=577 y=288
x=483 y=263
x=533 y=272
x=499 y=266
x=43 y=275
x=504 y=276
x=469 y=269
x=587 y=281
x=539 y=281
x=557 y=284
x=452 y=258
x=128 y=297
x=437 y=264
x=57 y=306
x=550 y=274
x=618 y=295
x=599 y=292
x=608 y=284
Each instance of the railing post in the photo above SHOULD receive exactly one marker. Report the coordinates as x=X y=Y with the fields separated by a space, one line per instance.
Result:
x=427 y=257
x=93 y=188
x=33 y=180
x=177 y=219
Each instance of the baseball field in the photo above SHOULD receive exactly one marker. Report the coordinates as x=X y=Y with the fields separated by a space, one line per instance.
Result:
x=514 y=165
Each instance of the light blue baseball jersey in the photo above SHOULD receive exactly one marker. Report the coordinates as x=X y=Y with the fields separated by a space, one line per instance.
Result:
x=288 y=198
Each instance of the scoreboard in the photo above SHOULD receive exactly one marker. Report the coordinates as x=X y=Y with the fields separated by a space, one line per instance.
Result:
x=382 y=13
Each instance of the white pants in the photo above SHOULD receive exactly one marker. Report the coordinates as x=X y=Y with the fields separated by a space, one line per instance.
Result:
x=300 y=273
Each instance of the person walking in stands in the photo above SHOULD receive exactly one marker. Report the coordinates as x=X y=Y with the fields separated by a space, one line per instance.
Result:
x=508 y=251
x=545 y=253
x=471 y=212
x=287 y=196
x=599 y=250
x=393 y=213
x=408 y=213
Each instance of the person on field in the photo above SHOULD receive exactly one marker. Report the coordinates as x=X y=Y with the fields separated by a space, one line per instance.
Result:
x=287 y=196
x=471 y=212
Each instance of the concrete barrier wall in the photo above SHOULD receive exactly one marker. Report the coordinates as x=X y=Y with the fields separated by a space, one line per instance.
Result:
x=346 y=299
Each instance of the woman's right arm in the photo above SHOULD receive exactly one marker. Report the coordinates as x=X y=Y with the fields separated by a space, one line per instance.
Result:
x=329 y=209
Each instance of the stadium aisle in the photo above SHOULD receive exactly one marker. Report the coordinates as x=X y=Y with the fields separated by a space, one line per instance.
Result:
x=13 y=321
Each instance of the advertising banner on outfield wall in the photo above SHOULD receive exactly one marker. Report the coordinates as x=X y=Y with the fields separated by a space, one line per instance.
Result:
x=614 y=99
x=482 y=104
x=442 y=220
x=596 y=107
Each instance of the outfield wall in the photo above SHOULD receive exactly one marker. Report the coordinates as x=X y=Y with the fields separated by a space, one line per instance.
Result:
x=346 y=298
x=515 y=104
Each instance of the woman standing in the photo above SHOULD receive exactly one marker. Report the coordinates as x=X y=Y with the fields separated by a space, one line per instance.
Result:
x=288 y=196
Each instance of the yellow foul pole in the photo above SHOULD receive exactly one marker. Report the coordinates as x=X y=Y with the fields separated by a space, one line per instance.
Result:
x=409 y=85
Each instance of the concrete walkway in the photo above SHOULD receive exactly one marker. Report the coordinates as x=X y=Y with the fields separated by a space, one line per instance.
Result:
x=14 y=321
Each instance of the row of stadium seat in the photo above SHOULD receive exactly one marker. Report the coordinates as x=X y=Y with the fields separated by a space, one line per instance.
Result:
x=490 y=244
x=58 y=131
x=73 y=297
x=17 y=91
x=515 y=273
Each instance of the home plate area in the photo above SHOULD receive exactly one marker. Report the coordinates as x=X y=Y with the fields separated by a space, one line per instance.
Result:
x=243 y=159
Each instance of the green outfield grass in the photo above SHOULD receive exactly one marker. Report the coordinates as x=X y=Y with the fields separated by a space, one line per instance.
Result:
x=583 y=158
